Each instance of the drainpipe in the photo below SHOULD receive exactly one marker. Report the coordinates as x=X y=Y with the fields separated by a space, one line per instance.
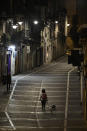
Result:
x=85 y=82
x=81 y=85
x=85 y=100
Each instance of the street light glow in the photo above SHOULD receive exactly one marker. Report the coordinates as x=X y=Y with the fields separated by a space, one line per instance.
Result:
x=56 y=22
x=68 y=25
x=11 y=47
x=35 y=22
x=20 y=22
x=14 y=26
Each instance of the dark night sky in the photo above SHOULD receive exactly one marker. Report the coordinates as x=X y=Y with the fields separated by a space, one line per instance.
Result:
x=29 y=6
x=20 y=4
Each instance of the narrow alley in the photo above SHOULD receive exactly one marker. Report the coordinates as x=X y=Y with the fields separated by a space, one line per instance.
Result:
x=62 y=85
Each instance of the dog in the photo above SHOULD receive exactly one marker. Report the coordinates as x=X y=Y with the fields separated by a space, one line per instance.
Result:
x=53 y=108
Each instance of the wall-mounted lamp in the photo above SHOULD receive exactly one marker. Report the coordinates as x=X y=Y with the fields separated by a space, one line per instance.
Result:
x=20 y=22
x=56 y=22
x=14 y=26
x=11 y=47
x=35 y=22
x=68 y=25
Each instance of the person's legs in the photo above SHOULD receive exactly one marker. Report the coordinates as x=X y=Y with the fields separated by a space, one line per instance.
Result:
x=44 y=106
x=44 y=103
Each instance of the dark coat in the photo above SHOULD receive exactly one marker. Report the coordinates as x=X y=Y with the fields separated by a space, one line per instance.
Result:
x=9 y=79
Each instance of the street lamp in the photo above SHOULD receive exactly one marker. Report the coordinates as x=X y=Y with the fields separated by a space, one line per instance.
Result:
x=68 y=25
x=11 y=47
x=20 y=22
x=14 y=26
x=35 y=22
x=56 y=22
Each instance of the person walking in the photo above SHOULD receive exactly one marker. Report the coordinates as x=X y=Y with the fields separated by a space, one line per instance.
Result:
x=8 y=82
x=43 y=99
